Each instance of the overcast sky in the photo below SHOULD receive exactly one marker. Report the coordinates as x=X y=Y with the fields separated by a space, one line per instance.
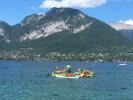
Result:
x=13 y=11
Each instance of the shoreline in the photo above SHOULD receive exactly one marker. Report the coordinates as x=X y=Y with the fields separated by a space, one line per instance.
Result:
x=49 y=60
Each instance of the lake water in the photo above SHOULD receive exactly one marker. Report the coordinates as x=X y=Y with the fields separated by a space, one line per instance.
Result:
x=28 y=80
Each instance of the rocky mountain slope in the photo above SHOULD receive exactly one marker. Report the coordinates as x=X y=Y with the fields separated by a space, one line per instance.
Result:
x=4 y=32
x=64 y=30
x=56 y=20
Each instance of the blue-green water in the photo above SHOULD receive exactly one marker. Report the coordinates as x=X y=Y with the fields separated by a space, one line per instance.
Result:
x=28 y=80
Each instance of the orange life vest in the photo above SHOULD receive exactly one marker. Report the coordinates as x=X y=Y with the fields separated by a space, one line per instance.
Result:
x=70 y=75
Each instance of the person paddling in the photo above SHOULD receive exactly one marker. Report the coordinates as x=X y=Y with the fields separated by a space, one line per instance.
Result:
x=82 y=73
x=80 y=70
x=67 y=69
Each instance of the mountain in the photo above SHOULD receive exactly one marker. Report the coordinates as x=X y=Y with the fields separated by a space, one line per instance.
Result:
x=26 y=26
x=63 y=30
x=4 y=32
x=66 y=30
x=128 y=34
x=125 y=29
x=56 y=20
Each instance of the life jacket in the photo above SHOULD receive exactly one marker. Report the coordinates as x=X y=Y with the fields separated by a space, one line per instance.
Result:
x=70 y=75
x=84 y=74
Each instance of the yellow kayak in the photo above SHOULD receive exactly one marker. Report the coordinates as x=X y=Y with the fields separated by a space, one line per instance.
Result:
x=61 y=74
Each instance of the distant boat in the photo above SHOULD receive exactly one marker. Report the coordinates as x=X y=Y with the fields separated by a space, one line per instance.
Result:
x=123 y=64
x=100 y=60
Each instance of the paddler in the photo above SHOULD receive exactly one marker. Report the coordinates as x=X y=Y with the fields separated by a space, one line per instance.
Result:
x=67 y=69
x=82 y=73
x=80 y=70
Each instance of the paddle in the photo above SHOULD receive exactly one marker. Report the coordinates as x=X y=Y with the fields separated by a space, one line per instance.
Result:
x=49 y=74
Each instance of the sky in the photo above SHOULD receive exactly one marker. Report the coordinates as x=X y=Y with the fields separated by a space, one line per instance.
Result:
x=109 y=11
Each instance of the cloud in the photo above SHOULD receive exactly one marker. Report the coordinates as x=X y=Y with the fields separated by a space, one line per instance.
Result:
x=72 y=3
x=129 y=21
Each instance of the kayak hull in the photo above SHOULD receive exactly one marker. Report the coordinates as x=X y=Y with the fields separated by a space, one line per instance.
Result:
x=63 y=76
x=59 y=76
x=72 y=77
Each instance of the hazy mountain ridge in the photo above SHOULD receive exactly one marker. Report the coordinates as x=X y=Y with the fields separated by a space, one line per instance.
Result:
x=125 y=29
x=122 y=26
